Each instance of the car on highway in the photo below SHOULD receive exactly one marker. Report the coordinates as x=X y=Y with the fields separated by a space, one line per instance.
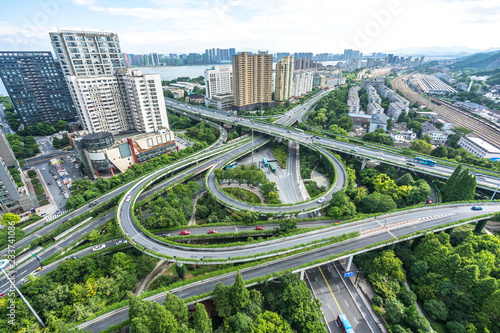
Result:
x=49 y=183
x=477 y=208
x=123 y=241
x=98 y=247
x=74 y=257
x=92 y=204
x=128 y=198
x=165 y=235
x=354 y=150
x=185 y=232
x=213 y=231
x=410 y=164
x=429 y=201
x=259 y=228
x=321 y=200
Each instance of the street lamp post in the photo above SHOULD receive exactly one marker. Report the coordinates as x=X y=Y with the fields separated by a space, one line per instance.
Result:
x=3 y=264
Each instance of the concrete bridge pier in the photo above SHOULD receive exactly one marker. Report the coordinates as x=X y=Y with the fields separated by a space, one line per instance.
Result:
x=363 y=163
x=480 y=225
x=349 y=262
x=302 y=274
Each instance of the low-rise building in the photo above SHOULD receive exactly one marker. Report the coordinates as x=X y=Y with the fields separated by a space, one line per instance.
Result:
x=104 y=153
x=198 y=99
x=404 y=135
x=353 y=99
x=395 y=110
x=480 y=148
x=360 y=119
x=374 y=108
x=433 y=132
x=221 y=102
x=379 y=120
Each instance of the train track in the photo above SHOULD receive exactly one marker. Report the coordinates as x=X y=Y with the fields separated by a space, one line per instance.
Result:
x=451 y=113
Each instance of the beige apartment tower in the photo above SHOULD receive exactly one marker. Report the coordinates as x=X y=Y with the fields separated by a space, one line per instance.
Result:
x=284 y=79
x=252 y=81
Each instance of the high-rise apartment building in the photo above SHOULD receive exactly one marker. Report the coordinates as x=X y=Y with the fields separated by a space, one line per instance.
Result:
x=36 y=86
x=218 y=80
x=284 y=79
x=302 y=83
x=252 y=80
x=83 y=53
x=125 y=101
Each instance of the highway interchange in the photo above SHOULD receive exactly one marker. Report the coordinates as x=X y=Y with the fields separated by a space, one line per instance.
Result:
x=373 y=231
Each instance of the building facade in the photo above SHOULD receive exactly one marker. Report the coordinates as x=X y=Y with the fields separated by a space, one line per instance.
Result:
x=36 y=86
x=302 y=83
x=128 y=100
x=433 y=132
x=252 y=81
x=85 y=53
x=218 y=80
x=480 y=148
x=106 y=154
x=284 y=79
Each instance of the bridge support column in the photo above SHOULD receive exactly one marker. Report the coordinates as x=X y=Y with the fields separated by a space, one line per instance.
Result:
x=349 y=262
x=302 y=275
x=363 y=164
x=480 y=225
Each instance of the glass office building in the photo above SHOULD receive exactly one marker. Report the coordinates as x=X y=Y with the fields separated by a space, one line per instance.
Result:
x=37 y=87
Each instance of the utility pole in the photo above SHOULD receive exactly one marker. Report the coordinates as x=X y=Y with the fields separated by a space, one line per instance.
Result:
x=3 y=264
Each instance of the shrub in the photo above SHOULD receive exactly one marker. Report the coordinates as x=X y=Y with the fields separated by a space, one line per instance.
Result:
x=35 y=181
x=32 y=173
x=377 y=300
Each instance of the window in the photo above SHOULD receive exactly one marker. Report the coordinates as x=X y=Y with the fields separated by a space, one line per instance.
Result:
x=159 y=140
x=150 y=142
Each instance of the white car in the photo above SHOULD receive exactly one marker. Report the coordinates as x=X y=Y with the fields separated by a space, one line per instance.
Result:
x=43 y=169
x=123 y=241
x=128 y=198
x=321 y=200
x=98 y=247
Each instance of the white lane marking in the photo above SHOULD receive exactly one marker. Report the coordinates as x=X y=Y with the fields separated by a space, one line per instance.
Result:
x=346 y=302
x=23 y=272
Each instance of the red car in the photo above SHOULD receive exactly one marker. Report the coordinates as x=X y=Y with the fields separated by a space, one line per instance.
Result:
x=259 y=228
x=429 y=201
x=213 y=231
x=185 y=232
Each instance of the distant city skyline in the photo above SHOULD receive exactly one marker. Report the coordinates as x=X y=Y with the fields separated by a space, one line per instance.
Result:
x=277 y=25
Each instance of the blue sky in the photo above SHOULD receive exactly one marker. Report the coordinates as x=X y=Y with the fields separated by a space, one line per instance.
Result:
x=180 y=26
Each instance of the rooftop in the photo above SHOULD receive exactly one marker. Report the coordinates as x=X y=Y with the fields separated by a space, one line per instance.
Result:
x=484 y=144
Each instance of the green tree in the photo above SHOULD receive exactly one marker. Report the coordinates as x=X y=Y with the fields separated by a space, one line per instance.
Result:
x=287 y=225
x=427 y=138
x=181 y=271
x=394 y=310
x=9 y=219
x=461 y=185
x=408 y=297
x=415 y=126
x=270 y=322
x=377 y=203
x=341 y=206
x=176 y=307
x=421 y=146
x=222 y=300
x=436 y=309
x=240 y=296
x=440 y=151
x=201 y=322
x=455 y=327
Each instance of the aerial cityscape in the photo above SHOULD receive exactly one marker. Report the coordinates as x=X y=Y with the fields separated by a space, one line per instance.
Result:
x=261 y=167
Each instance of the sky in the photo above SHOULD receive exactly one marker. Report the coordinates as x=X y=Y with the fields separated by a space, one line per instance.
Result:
x=318 y=26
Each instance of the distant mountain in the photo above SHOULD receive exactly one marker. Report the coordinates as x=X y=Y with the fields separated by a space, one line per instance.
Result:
x=479 y=61
x=441 y=51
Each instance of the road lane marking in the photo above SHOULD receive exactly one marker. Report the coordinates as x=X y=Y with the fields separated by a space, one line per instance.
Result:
x=22 y=272
x=331 y=292
x=346 y=303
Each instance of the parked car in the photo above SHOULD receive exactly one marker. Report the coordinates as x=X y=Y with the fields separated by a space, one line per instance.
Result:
x=98 y=247
x=49 y=183
x=259 y=228
x=213 y=231
x=477 y=208
x=185 y=232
